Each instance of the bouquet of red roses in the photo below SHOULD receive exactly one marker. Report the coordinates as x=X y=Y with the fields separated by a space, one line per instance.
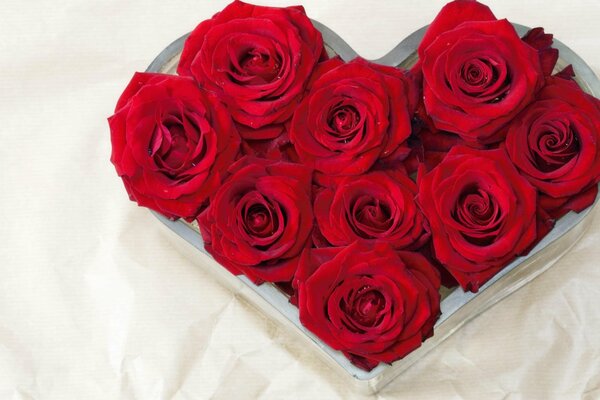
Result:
x=361 y=188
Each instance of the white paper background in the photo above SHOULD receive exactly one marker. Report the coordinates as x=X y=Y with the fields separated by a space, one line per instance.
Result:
x=96 y=300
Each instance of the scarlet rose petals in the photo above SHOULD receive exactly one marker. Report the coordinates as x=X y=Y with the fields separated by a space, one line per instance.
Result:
x=171 y=143
x=369 y=301
x=353 y=115
x=477 y=77
x=555 y=144
x=375 y=207
x=300 y=170
x=482 y=213
x=260 y=219
x=451 y=16
x=258 y=59
x=542 y=42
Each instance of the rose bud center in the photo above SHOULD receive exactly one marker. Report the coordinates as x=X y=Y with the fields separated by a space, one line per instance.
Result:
x=169 y=144
x=480 y=214
x=259 y=220
x=371 y=213
x=557 y=144
x=365 y=306
x=259 y=66
x=484 y=79
x=343 y=121
x=477 y=73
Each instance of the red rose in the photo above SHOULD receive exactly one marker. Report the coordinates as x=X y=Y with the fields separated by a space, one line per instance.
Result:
x=371 y=302
x=171 y=143
x=482 y=213
x=376 y=207
x=353 y=115
x=257 y=59
x=260 y=219
x=478 y=74
x=555 y=144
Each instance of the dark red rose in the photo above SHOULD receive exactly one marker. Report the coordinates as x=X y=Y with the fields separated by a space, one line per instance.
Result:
x=257 y=59
x=376 y=207
x=171 y=143
x=353 y=115
x=477 y=73
x=429 y=147
x=260 y=219
x=481 y=212
x=371 y=302
x=555 y=144
x=279 y=148
x=542 y=42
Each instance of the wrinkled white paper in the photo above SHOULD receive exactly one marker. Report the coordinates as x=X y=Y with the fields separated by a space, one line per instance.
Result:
x=97 y=301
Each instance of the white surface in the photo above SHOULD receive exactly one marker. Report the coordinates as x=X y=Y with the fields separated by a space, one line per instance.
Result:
x=98 y=302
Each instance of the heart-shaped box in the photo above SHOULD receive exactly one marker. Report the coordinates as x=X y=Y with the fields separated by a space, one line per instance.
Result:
x=457 y=306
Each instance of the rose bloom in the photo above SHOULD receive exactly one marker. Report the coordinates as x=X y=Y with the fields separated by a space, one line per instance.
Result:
x=260 y=219
x=257 y=59
x=481 y=211
x=371 y=302
x=375 y=207
x=353 y=115
x=171 y=143
x=555 y=144
x=477 y=72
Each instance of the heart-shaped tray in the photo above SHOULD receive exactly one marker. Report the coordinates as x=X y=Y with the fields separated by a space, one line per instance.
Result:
x=457 y=306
